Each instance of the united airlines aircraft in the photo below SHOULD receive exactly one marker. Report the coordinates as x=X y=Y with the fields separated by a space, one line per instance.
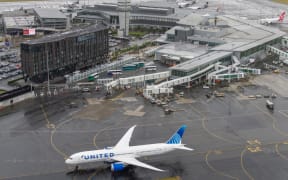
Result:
x=122 y=154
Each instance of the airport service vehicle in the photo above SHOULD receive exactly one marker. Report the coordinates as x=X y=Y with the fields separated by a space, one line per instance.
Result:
x=150 y=68
x=85 y=89
x=122 y=154
x=139 y=64
x=270 y=104
x=93 y=76
x=129 y=67
x=114 y=72
x=274 y=20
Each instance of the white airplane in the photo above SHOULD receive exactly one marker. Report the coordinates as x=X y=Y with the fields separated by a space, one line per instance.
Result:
x=194 y=7
x=122 y=154
x=273 y=20
x=182 y=4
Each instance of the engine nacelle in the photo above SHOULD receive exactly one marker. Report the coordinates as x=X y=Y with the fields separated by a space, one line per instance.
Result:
x=115 y=167
x=108 y=147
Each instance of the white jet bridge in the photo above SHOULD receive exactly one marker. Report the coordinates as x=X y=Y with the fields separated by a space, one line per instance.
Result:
x=121 y=82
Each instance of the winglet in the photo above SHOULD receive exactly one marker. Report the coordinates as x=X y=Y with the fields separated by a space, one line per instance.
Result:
x=125 y=140
x=177 y=136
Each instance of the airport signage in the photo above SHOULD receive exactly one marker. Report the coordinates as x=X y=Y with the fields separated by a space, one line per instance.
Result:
x=29 y=31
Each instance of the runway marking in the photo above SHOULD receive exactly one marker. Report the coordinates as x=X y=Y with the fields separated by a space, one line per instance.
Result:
x=139 y=108
x=112 y=127
x=279 y=153
x=203 y=119
x=242 y=165
x=53 y=127
x=137 y=112
x=215 y=170
x=102 y=130
x=52 y=142
x=48 y=125
x=283 y=112
x=254 y=146
x=117 y=97
x=274 y=121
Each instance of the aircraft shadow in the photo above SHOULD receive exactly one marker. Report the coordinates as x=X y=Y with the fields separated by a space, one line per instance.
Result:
x=104 y=172
x=129 y=173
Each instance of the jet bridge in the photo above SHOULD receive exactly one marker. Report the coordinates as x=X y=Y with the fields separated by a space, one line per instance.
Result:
x=137 y=79
x=230 y=72
x=167 y=86
x=282 y=54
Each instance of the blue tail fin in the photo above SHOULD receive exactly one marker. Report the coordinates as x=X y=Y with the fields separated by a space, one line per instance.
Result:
x=177 y=136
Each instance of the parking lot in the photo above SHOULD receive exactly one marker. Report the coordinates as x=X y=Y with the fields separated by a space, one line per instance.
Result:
x=233 y=137
x=10 y=64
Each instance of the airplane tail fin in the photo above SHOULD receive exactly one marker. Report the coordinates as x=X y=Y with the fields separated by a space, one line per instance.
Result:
x=281 y=17
x=177 y=136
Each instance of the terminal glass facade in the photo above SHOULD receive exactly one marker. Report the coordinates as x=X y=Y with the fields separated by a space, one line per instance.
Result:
x=64 y=52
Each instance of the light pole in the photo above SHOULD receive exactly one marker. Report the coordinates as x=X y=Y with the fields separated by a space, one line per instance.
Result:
x=47 y=64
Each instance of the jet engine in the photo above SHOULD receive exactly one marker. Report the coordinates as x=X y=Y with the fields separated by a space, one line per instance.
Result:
x=119 y=166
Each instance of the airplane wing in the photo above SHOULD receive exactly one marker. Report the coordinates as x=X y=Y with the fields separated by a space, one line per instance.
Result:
x=125 y=140
x=135 y=162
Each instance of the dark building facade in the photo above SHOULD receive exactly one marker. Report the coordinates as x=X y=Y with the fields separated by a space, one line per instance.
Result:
x=65 y=52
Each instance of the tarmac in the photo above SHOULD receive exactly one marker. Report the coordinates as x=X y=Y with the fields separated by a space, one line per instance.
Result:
x=233 y=138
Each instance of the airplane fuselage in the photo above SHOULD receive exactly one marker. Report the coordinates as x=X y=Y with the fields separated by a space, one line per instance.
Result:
x=133 y=151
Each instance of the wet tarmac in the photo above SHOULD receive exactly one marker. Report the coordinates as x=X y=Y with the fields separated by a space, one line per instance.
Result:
x=233 y=138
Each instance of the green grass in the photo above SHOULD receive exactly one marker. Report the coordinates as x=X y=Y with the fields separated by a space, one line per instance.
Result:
x=2 y=91
x=138 y=34
x=281 y=1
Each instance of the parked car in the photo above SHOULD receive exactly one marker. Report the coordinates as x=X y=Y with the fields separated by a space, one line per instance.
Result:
x=85 y=89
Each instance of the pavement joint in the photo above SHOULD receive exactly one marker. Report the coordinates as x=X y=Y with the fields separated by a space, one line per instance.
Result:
x=274 y=121
x=204 y=120
x=277 y=149
x=215 y=170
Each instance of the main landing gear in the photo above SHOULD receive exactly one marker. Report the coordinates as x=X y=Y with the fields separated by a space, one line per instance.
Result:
x=76 y=168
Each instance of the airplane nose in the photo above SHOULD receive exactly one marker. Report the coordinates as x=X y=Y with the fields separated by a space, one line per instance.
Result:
x=68 y=161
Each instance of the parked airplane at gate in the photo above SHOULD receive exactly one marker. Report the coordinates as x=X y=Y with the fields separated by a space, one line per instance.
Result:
x=185 y=3
x=122 y=154
x=273 y=20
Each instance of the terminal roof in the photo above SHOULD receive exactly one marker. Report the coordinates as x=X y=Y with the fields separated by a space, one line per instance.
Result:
x=59 y=36
x=198 y=61
x=183 y=50
x=49 y=13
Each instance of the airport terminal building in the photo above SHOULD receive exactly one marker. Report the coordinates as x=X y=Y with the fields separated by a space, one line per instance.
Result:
x=140 y=15
x=65 y=52
x=232 y=37
x=50 y=18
